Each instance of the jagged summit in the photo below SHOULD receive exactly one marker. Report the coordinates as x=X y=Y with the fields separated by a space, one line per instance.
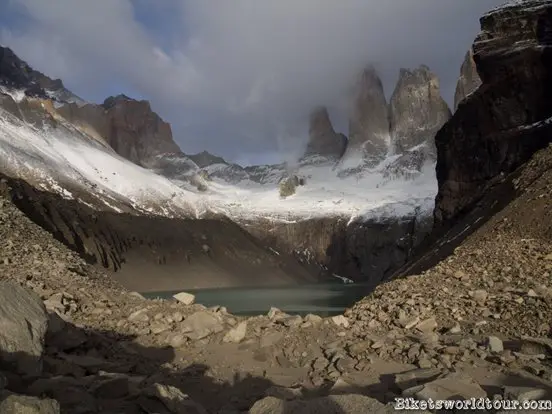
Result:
x=323 y=140
x=111 y=101
x=18 y=75
x=369 y=119
x=417 y=110
x=205 y=158
x=468 y=81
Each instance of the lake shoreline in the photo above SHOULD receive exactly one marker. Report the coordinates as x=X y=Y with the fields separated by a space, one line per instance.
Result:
x=326 y=299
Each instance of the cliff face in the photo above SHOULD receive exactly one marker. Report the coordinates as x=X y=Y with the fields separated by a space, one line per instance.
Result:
x=369 y=121
x=508 y=118
x=367 y=251
x=417 y=110
x=129 y=126
x=323 y=140
x=135 y=131
x=468 y=81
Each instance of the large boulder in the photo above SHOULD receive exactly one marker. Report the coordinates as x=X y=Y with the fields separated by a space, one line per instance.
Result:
x=323 y=140
x=23 y=326
x=417 y=110
x=21 y=404
x=508 y=118
x=369 y=120
x=468 y=81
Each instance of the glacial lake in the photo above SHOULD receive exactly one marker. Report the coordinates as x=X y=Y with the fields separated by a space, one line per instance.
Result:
x=326 y=299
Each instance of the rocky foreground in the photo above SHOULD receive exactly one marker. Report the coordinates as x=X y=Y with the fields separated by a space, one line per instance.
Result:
x=476 y=325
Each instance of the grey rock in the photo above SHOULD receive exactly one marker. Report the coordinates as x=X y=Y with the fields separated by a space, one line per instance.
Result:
x=409 y=379
x=340 y=320
x=359 y=347
x=313 y=319
x=369 y=120
x=525 y=393
x=468 y=81
x=139 y=316
x=323 y=140
x=480 y=296
x=417 y=110
x=201 y=325
x=427 y=325
x=24 y=323
x=159 y=327
x=185 y=298
x=175 y=400
x=495 y=344
x=20 y=404
x=452 y=386
x=236 y=334
x=136 y=295
x=334 y=404
x=292 y=321
x=284 y=393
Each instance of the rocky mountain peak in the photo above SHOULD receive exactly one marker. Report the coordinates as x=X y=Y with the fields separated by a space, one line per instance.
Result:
x=323 y=140
x=17 y=74
x=111 y=101
x=369 y=119
x=136 y=132
x=468 y=81
x=319 y=122
x=417 y=110
x=204 y=159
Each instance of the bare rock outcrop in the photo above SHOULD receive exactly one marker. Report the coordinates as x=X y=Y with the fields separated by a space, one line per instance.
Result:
x=369 y=120
x=508 y=118
x=468 y=81
x=17 y=74
x=417 y=110
x=323 y=140
x=24 y=323
x=136 y=132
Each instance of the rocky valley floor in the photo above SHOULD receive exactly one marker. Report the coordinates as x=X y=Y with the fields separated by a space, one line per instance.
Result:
x=476 y=325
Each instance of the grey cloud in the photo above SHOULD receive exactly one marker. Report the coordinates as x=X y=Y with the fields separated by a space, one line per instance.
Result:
x=242 y=75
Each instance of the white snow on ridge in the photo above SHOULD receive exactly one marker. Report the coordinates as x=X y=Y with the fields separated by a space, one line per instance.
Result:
x=55 y=157
x=325 y=194
x=62 y=160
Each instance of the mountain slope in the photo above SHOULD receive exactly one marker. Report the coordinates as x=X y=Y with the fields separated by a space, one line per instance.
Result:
x=63 y=160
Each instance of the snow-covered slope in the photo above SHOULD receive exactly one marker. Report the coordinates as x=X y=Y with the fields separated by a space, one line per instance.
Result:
x=63 y=159
x=369 y=193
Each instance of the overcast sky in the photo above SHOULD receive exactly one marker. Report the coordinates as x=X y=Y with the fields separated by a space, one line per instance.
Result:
x=238 y=77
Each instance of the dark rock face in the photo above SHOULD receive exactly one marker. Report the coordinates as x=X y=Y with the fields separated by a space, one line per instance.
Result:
x=369 y=121
x=417 y=110
x=367 y=251
x=468 y=81
x=17 y=74
x=135 y=247
x=135 y=131
x=323 y=140
x=499 y=126
x=204 y=159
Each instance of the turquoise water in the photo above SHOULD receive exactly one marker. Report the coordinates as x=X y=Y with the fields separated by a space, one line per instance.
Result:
x=321 y=299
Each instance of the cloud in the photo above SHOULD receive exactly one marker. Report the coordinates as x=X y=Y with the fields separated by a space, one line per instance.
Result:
x=239 y=77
